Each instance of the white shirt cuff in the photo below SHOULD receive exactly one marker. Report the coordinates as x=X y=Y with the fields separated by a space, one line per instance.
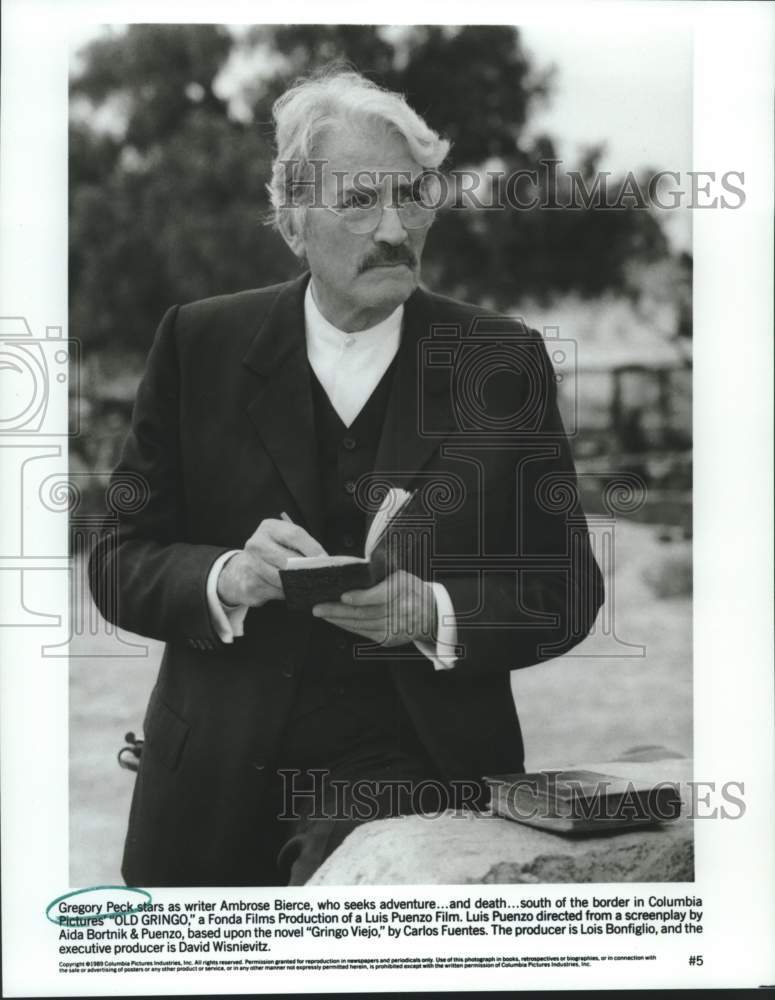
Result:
x=227 y=619
x=443 y=655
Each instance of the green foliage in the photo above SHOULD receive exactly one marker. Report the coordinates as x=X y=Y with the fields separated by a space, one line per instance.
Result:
x=169 y=204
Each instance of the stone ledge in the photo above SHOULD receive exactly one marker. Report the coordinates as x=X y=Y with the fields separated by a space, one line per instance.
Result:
x=454 y=849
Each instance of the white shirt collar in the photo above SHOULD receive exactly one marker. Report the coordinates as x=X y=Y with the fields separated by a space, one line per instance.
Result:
x=323 y=332
x=349 y=365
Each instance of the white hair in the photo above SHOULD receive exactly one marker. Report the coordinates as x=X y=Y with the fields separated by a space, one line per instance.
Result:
x=305 y=112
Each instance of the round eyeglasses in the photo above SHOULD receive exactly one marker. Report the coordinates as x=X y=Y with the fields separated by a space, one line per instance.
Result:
x=361 y=211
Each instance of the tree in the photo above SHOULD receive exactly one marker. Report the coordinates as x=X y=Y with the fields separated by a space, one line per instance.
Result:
x=168 y=204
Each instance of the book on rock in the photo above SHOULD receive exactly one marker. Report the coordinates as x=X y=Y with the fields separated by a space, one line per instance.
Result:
x=581 y=801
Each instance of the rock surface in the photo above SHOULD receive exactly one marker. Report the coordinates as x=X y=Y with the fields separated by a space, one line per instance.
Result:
x=454 y=849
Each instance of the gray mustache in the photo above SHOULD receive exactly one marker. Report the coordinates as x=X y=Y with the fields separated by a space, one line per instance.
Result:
x=397 y=255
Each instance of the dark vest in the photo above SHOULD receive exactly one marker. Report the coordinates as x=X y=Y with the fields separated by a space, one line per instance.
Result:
x=344 y=455
x=345 y=703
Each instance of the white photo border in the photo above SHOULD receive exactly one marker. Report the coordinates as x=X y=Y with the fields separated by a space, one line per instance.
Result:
x=733 y=497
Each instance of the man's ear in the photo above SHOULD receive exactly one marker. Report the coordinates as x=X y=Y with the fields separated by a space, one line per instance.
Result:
x=290 y=233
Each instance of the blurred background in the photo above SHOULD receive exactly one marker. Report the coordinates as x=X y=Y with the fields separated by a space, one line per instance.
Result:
x=170 y=150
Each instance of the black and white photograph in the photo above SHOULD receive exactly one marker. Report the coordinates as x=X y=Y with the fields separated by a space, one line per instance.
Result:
x=373 y=293
x=386 y=411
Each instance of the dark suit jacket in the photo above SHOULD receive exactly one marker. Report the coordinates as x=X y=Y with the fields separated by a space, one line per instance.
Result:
x=222 y=436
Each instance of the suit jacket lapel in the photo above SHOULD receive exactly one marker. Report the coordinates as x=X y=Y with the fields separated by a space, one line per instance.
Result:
x=419 y=407
x=418 y=410
x=281 y=409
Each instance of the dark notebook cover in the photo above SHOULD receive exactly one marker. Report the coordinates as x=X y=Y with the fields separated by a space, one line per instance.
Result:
x=305 y=586
x=308 y=587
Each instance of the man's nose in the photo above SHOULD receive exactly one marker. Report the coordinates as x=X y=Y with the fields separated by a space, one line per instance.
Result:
x=390 y=229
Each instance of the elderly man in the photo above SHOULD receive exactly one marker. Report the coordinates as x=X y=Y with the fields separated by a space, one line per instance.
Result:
x=262 y=424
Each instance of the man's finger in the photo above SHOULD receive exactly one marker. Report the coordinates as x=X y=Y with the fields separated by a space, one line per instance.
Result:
x=361 y=628
x=293 y=536
x=266 y=572
x=370 y=613
x=274 y=553
x=374 y=595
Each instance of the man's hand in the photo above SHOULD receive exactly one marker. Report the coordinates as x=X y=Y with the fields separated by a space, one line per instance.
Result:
x=252 y=576
x=399 y=610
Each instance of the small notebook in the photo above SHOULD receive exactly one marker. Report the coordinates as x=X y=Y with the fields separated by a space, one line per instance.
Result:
x=311 y=580
x=578 y=801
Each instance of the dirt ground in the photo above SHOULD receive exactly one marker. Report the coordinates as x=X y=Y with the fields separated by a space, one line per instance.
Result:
x=629 y=683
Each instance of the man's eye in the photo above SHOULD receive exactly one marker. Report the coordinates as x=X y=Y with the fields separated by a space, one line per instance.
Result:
x=358 y=199
x=407 y=196
x=426 y=190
